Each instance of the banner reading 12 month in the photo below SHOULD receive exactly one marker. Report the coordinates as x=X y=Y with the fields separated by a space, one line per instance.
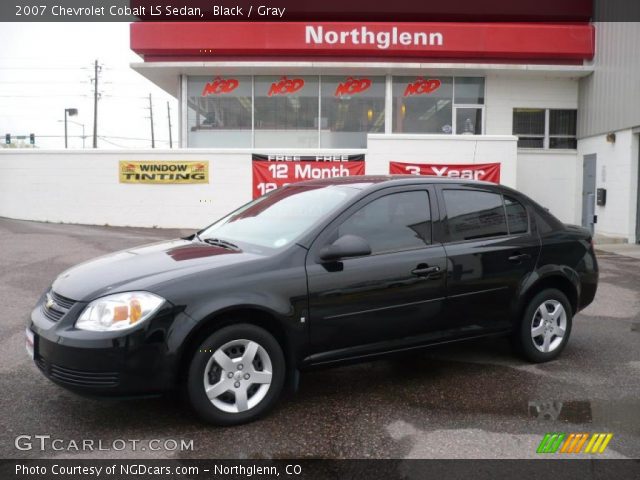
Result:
x=489 y=172
x=274 y=171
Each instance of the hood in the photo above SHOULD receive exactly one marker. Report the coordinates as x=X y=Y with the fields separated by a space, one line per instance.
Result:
x=143 y=267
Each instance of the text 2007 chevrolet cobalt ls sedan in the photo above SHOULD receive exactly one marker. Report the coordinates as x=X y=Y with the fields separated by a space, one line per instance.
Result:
x=313 y=274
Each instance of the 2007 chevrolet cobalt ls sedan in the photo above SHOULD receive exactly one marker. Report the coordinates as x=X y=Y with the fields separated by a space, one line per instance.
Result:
x=314 y=273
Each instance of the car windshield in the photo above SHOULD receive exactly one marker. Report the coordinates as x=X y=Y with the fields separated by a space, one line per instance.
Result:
x=281 y=217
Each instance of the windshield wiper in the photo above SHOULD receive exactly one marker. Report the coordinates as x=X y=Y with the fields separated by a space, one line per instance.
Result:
x=221 y=243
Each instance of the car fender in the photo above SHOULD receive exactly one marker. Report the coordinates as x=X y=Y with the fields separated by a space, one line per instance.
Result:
x=531 y=282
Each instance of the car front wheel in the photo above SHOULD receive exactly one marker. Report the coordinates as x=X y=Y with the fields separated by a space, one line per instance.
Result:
x=236 y=375
x=545 y=326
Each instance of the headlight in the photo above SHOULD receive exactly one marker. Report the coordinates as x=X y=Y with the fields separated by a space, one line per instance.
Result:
x=119 y=311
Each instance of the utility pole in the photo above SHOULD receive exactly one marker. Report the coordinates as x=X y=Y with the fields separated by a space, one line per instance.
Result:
x=169 y=118
x=153 y=138
x=95 y=104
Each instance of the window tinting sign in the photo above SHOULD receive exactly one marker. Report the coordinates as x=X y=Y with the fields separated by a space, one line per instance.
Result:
x=220 y=86
x=274 y=171
x=489 y=172
x=163 y=172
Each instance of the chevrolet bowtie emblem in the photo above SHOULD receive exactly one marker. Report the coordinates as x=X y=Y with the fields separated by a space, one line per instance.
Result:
x=50 y=303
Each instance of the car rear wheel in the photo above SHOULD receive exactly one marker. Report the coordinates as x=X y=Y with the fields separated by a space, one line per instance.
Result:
x=545 y=326
x=236 y=375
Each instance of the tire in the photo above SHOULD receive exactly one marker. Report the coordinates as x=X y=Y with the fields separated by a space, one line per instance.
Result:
x=236 y=399
x=553 y=330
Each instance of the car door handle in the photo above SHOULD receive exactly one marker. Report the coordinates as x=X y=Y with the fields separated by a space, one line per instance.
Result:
x=519 y=257
x=424 y=270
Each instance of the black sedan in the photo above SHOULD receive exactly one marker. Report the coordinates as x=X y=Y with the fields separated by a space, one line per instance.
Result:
x=312 y=274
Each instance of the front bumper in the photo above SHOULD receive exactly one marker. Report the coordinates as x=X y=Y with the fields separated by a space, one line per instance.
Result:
x=138 y=362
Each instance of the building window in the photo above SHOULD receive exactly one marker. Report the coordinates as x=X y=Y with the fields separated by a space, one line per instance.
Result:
x=562 y=129
x=219 y=111
x=545 y=128
x=351 y=107
x=443 y=105
x=286 y=111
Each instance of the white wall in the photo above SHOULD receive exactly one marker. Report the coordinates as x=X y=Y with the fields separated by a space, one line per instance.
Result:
x=381 y=149
x=83 y=187
x=617 y=171
x=552 y=180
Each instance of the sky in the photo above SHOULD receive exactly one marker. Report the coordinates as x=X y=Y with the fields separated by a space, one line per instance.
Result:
x=47 y=67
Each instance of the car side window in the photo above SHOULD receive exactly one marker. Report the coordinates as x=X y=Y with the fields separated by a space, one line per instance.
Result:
x=474 y=214
x=516 y=216
x=395 y=222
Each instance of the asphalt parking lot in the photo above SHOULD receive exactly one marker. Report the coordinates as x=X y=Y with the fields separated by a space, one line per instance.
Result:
x=467 y=401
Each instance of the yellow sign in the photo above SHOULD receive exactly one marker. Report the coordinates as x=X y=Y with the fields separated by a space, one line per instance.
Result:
x=164 y=172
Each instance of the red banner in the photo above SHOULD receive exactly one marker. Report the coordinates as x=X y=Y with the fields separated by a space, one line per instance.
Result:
x=489 y=172
x=274 y=171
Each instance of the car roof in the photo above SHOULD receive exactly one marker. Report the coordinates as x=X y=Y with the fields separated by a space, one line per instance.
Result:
x=366 y=181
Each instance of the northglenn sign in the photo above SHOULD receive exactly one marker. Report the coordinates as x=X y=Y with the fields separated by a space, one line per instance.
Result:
x=162 y=41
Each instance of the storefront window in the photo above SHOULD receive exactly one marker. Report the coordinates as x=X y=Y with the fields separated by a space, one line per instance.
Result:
x=308 y=111
x=469 y=90
x=351 y=107
x=286 y=111
x=468 y=121
x=423 y=105
x=219 y=111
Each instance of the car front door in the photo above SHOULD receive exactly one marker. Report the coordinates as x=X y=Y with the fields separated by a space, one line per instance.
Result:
x=389 y=297
x=491 y=247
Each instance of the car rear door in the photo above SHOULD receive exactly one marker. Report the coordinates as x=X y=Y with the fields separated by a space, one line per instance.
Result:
x=388 y=296
x=491 y=247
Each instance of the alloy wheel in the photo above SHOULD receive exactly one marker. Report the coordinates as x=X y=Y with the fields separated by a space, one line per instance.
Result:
x=238 y=375
x=549 y=326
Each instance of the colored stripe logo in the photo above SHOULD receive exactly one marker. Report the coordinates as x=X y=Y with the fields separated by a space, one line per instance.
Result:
x=574 y=443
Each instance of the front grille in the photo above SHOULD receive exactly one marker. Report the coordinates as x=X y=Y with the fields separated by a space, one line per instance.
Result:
x=78 y=378
x=51 y=314
x=56 y=306
x=64 y=302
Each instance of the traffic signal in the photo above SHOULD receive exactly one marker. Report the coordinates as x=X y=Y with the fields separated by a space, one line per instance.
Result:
x=7 y=139
x=32 y=138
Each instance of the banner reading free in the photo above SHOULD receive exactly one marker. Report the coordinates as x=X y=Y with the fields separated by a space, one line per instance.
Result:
x=489 y=172
x=274 y=171
x=163 y=172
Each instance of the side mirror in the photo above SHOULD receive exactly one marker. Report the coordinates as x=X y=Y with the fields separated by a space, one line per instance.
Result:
x=344 y=247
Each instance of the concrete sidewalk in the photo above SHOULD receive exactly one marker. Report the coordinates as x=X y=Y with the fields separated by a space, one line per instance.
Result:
x=626 y=249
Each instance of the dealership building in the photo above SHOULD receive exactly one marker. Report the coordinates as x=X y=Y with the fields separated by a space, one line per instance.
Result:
x=555 y=103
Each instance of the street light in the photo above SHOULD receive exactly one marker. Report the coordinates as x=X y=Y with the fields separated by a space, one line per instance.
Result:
x=71 y=112
x=80 y=124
